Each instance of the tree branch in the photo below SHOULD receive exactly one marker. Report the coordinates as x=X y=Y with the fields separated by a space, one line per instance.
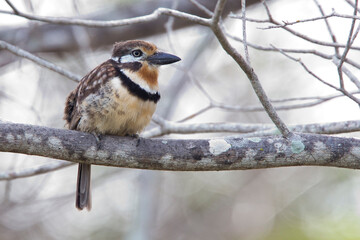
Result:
x=254 y=80
x=350 y=41
x=40 y=61
x=111 y=23
x=181 y=155
x=305 y=37
x=37 y=37
x=169 y=127
x=33 y=170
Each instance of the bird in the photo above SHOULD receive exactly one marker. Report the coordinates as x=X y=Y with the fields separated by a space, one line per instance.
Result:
x=118 y=97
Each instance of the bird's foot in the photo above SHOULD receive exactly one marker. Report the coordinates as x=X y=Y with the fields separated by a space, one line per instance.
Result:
x=98 y=139
x=137 y=137
x=133 y=135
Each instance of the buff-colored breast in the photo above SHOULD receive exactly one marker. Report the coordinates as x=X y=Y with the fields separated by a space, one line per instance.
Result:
x=113 y=110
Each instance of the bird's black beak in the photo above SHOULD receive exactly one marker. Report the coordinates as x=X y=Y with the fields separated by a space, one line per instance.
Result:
x=161 y=58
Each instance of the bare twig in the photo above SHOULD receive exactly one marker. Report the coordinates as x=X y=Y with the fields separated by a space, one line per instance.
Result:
x=232 y=15
x=348 y=73
x=202 y=110
x=342 y=90
x=289 y=50
x=199 y=86
x=114 y=23
x=42 y=62
x=253 y=80
x=350 y=2
x=169 y=127
x=350 y=40
x=307 y=38
x=5 y=95
x=33 y=171
x=271 y=49
x=202 y=8
x=332 y=35
x=316 y=128
x=243 y=12
x=219 y=33
x=283 y=24
x=16 y=11
x=220 y=5
x=267 y=9
x=169 y=28
x=317 y=101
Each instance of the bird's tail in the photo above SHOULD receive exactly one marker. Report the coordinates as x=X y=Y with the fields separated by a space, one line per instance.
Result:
x=83 y=194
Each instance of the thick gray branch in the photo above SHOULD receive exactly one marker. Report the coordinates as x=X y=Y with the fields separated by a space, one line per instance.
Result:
x=181 y=155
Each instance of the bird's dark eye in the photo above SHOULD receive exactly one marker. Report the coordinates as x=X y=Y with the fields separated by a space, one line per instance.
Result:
x=136 y=53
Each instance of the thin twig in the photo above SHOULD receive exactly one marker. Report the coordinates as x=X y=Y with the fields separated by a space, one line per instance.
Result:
x=243 y=12
x=270 y=49
x=332 y=35
x=349 y=42
x=16 y=100
x=317 y=98
x=220 y=4
x=202 y=110
x=347 y=72
x=16 y=11
x=315 y=128
x=267 y=9
x=319 y=101
x=232 y=15
x=289 y=50
x=170 y=127
x=33 y=171
x=349 y=95
x=307 y=38
x=219 y=33
x=114 y=23
x=42 y=62
x=169 y=25
x=202 y=8
x=283 y=24
x=199 y=86
x=351 y=4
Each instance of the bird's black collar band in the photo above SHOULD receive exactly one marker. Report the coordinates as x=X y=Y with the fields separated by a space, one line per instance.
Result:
x=134 y=88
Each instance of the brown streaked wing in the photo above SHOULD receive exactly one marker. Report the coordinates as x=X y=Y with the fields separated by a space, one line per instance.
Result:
x=95 y=79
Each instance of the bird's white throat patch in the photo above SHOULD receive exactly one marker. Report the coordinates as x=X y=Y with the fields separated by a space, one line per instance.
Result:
x=139 y=81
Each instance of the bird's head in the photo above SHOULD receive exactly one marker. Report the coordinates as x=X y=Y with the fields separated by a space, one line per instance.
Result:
x=141 y=52
x=141 y=59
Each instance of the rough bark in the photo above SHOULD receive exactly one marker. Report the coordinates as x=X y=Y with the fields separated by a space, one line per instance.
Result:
x=181 y=155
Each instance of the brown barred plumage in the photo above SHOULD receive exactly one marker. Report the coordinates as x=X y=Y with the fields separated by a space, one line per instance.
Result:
x=118 y=97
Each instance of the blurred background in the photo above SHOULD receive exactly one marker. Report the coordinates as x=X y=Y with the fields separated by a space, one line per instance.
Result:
x=287 y=203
